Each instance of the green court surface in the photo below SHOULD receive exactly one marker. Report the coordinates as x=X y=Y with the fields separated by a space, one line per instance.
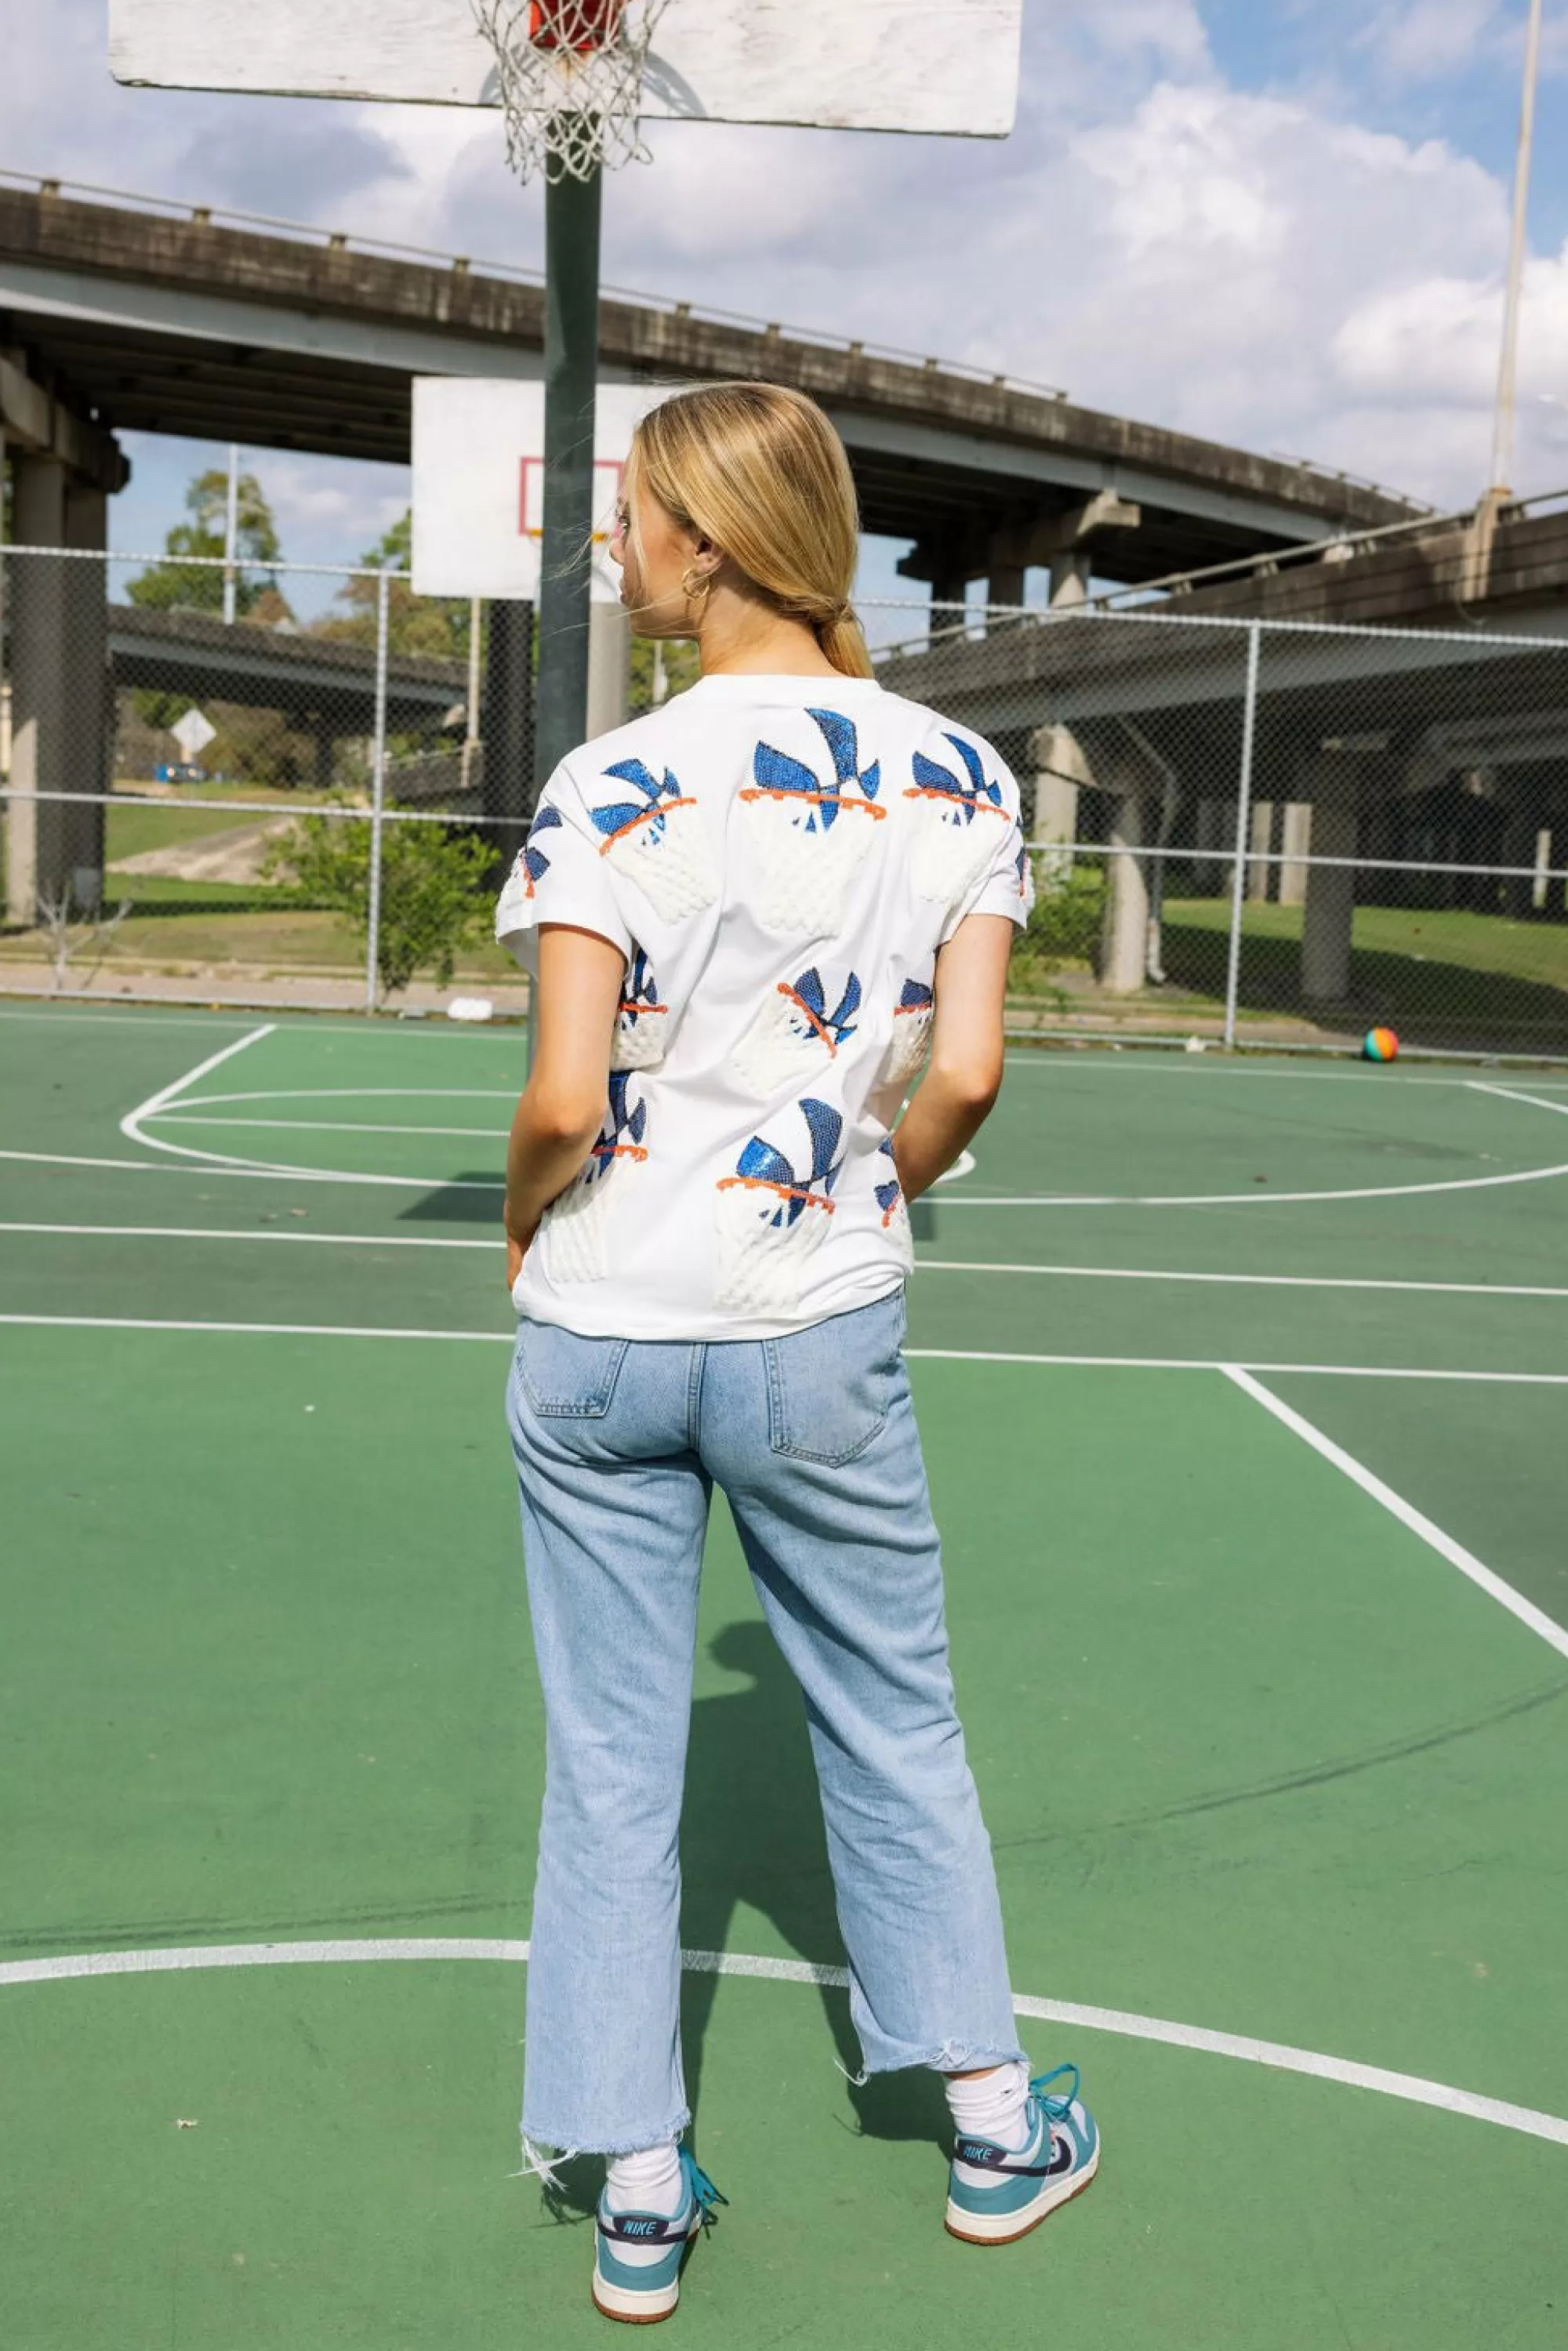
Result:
x=1243 y=1387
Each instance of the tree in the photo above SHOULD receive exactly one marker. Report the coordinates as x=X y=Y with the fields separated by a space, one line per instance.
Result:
x=678 y=656
x=436 y=626
x=194 y=588
x=436 y=893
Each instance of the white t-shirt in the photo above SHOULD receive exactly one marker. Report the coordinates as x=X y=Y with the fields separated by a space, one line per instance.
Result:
x=779 y=860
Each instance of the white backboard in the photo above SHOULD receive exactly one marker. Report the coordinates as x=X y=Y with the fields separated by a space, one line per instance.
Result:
x=478 y=481
x=947 y=66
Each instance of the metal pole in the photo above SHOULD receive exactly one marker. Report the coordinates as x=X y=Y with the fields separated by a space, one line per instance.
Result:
x=1243 y=827
x=1508 y=372
x=378 y=796
x=231 y=537
x=572 y=213
x=471 y=729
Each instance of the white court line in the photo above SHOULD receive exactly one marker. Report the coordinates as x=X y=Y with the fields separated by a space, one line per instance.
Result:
x=257 y=1330
x=1492 y=1585
x=130 y=1125
x=1242 y=1280
x=199 y=1164
x=187 y=1114
x=179 y=1115
x=922 y=1265
x=917 y=1354
x=1511 y=1093
x=1260 y=1194
x=298 y=1024
x=1207 y=1364
x=227 y=1162
x=1172 y=1064
x=356 y=1093
x=1280 y=2056
x=187 y=1109
x=212 y=1163
x=1092 y=1053
x=216 y=1233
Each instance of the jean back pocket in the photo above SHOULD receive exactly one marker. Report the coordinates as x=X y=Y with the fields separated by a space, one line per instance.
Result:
x=564 y=1376
x=831 y=1388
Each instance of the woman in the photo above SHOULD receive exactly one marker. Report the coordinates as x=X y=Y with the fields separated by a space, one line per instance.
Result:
x=754 y=916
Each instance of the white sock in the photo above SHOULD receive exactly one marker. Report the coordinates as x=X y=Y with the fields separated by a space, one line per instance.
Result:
x=652 y=2181
x=993 y=2106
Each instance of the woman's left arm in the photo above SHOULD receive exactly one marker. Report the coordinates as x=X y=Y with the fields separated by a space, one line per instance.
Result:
x=576 y=999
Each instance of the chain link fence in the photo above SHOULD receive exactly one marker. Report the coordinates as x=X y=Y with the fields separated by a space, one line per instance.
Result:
x=1243 y=831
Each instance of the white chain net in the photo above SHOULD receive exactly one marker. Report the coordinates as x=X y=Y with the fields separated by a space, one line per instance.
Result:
x=569 y=77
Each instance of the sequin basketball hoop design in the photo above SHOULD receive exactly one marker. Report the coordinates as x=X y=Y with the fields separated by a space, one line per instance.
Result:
x=569 y=75
x=774 y=1212
x=575 y=1228
x=808 y=843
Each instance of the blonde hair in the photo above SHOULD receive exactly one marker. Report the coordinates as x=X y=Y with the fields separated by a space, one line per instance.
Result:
x=760 y=470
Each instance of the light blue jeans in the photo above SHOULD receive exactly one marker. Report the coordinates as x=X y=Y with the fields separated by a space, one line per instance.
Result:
x=812 y=1438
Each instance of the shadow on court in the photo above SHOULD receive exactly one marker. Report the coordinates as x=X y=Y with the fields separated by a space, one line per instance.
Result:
x=474 y=1198
x=752 y=1835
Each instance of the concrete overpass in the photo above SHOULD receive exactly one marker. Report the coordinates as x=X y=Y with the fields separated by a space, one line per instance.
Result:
x=131 y=314
x=172 y=320
x=1412 y=704
x=326 y=686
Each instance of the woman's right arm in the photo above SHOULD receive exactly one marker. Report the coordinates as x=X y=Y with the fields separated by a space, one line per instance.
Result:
x=964 y=1075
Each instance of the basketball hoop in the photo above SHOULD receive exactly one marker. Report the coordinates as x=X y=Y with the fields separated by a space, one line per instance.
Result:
x=569 y=75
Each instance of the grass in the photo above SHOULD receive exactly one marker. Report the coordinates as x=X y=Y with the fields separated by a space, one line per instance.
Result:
x=224 y=928
x=1535 y=952
x=156 y=824
x=1440 y=977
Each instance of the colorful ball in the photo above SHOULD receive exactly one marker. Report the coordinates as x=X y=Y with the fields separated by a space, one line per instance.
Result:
x=1381 y=1045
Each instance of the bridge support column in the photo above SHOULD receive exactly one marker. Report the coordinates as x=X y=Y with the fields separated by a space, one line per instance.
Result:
x=1260 y=841
x=37 y=624
x=1520 y=845
x=1070 y=576
x=1004 y=582
x=1061 y=772
x=1295 y=842
x=1124 y=947
x=1330 y=910
x=325 y=735
x=76 y=861
x=509 y=707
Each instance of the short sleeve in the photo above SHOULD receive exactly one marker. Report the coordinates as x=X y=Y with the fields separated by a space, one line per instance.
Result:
x=1005 y=884
x=559 y=877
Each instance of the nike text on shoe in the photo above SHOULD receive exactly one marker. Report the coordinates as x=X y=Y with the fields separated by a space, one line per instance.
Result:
x=997 y=2194
x=642 y=2292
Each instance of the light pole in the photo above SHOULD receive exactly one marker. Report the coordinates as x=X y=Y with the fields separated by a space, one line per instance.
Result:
x=230 y=534
x=1508 y=372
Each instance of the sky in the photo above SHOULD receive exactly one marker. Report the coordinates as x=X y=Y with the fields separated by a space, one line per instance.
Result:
x=1279 y=224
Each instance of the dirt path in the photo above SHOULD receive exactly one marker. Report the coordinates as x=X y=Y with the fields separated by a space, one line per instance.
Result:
x=234 y=856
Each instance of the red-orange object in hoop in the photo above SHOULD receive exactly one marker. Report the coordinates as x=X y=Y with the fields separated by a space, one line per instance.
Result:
x=584 y=26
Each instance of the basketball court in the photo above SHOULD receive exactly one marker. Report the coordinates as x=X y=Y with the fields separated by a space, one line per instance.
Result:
x=1241 y=1386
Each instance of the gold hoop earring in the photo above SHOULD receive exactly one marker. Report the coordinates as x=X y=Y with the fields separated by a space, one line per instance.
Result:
x=694 y=587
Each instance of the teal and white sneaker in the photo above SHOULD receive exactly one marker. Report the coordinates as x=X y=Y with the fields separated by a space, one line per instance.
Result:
x=641 y=2293
x=997 y=2194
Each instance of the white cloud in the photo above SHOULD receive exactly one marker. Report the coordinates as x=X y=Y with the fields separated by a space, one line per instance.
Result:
x=1279 y=272
x=1422 y=40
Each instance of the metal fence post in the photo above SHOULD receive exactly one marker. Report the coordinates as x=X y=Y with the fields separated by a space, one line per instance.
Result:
x=1243 y=829
x=378 y=794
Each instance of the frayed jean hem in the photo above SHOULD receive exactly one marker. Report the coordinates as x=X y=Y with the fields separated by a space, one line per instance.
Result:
x=952 y=2057
x=639 y=2145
